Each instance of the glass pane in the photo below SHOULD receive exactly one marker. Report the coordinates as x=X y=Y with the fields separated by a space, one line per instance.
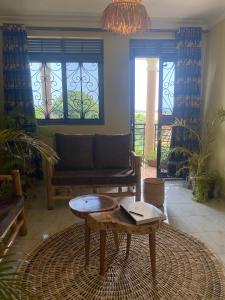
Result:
x=82 y=90
x=47 y=90
x=168 y=88
x=166 y=134
x=139 y=138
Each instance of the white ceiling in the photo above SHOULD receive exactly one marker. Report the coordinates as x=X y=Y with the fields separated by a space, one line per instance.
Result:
x=199 y=11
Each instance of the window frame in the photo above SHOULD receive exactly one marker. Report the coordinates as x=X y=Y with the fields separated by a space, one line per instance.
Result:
x=64 y=58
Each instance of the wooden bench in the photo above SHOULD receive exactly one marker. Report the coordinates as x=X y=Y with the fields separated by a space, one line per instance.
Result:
x=93 y=161
x=12 y=216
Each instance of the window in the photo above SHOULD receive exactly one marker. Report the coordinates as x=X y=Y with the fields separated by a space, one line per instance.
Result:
x=67 y=80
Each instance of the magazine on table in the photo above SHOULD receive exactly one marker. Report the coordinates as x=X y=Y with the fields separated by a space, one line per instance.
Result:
x=143 y=213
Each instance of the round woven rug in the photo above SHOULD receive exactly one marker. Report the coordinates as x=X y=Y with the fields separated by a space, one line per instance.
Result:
x=186 y=269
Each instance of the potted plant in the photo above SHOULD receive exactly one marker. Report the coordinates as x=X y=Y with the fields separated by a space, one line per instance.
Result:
x=11 y=285
x=16 y=148
x=196 y=162
x=151 y=159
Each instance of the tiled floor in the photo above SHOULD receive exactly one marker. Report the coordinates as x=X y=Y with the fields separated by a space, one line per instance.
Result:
x=148 y=171
x=204 y=221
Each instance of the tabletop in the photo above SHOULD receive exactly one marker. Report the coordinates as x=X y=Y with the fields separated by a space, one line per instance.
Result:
x=83 y=205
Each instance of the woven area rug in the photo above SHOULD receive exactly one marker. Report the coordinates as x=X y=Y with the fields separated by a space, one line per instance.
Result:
x=186 y=269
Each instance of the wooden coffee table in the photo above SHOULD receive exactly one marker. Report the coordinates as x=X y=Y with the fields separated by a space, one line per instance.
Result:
x=84 y=205
x=118 y=221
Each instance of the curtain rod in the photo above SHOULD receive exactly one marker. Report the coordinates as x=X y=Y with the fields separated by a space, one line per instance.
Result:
x=92 y=29
x=88 y=29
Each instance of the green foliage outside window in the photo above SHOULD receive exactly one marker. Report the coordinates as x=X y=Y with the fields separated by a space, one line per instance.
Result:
x=90 y=107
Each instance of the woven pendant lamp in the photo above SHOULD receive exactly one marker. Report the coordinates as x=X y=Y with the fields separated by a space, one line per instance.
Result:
x=125 y=17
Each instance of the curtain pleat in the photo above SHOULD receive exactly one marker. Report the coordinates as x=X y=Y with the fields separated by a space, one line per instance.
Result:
x=16 y=75
x=17 y=86
x=187 y=91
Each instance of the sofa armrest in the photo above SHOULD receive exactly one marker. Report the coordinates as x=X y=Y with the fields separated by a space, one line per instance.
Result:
x=49 y=175
x=136 y=165
x=15 y=179
x=49 y=171
x=17 y=183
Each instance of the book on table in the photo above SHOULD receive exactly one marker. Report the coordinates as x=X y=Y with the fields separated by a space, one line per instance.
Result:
x=143 y=213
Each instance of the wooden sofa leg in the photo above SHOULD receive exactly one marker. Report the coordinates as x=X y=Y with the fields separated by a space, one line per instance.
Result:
x=50 y=197
x=50 y=187
x=23 y=229
x=138 y=191
x=50 y=202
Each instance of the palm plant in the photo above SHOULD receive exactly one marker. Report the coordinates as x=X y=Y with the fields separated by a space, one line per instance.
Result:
x=19 y=144
x=15 y=149
x=196 y=162
x=11 y=286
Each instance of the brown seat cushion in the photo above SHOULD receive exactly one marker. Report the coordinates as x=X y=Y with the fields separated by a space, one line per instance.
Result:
x=8 y=211
x=92 y=177
x=75 y=151
x=112 y=151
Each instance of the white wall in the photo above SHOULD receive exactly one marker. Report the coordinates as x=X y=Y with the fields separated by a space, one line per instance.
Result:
x=214 y=90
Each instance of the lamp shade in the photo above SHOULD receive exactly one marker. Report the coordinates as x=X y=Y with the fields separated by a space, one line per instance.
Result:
x=125 y=17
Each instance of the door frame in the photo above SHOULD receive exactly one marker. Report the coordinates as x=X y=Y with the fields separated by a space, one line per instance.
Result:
x=162 y=119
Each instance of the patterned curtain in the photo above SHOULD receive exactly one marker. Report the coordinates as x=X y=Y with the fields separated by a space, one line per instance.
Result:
x=17 y=79
x=187 y=91
x=17 y=86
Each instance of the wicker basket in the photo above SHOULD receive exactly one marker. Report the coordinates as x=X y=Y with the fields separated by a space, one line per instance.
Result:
x=154 y=191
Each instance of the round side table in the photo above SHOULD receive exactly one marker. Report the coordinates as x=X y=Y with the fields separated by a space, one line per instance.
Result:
x=82 y=206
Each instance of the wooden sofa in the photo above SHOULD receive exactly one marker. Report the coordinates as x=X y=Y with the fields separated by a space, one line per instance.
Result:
x=12 y=216
x=93 y=161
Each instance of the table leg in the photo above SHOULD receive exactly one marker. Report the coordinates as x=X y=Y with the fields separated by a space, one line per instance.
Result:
x=152 y=248
x=116 y=239
x=102 y=251
x=87 y=243
x=128 y=244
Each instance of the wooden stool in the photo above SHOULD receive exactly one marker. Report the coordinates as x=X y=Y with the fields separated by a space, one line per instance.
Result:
x=118 y=221
x=83 y=206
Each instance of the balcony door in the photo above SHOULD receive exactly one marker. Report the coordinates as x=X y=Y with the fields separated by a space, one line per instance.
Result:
x=165 y=114
x=150 y=123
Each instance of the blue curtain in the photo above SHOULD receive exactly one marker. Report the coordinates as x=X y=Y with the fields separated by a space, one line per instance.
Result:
x=187 y=90
x=16 y=76
x=17 y=86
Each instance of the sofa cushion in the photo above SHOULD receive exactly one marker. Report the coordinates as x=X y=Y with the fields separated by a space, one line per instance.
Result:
x=75 y=151
x=94 y=177
x=8 y=211
x=112 y=151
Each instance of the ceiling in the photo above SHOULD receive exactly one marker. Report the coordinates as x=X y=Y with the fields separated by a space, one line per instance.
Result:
x=199 y=11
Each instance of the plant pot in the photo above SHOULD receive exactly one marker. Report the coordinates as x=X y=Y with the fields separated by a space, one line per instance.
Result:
x=203 y=188
x=152 y=163
x=191 y=182
x=154 y=191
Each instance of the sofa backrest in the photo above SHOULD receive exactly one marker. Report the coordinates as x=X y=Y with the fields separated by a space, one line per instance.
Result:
x=75 y=151
x=112 y=151
x=79 y=152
